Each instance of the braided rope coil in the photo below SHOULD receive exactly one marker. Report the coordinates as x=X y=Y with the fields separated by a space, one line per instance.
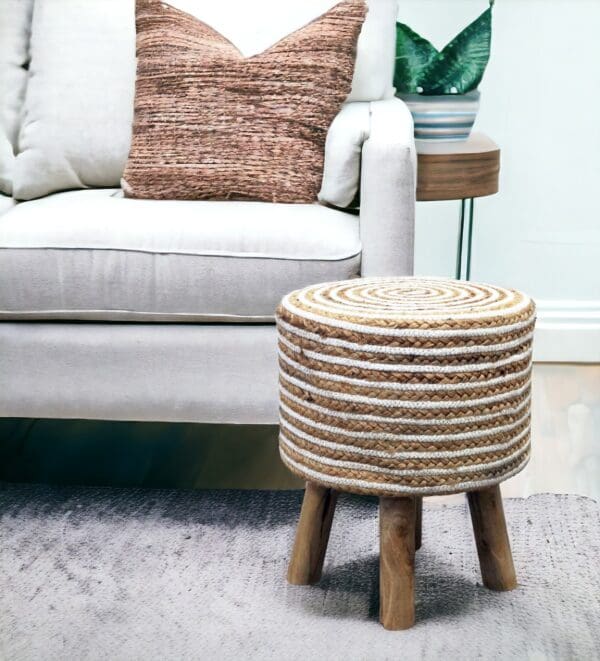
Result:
x=393 y=386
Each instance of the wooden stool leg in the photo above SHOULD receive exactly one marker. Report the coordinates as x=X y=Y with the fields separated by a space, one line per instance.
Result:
x=493 y=546
x=419 y=523
x=312 y=535
x=397 y=518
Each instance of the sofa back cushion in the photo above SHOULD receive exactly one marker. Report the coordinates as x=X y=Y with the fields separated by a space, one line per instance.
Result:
x=212 y=124
x=15 y=21
x=78 y=112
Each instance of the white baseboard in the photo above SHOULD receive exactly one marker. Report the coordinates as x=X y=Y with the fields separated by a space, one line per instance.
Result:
x=567 y=332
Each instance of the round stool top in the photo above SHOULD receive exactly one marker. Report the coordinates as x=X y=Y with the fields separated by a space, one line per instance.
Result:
x=398 y=386
x=385 y=305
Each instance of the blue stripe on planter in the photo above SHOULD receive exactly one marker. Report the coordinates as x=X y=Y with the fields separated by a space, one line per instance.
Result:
x=443 y=138
x=425 y=115
x=445 y=117
x=443 y=125
x=438 y=130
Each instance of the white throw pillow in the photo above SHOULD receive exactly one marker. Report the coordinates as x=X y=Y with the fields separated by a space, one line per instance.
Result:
x=78 y=111
x=15 y=19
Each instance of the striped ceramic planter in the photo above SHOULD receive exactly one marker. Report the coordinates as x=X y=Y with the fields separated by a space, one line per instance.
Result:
x=443 y=118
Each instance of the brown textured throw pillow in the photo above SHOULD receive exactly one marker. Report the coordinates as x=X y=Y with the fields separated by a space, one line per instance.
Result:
x=212 y=124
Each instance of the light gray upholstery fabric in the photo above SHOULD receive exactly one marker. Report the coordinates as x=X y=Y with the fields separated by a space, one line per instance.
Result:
x=76 y=126
x=192 y=373
x=170 y=372
x=343 y=147
x=15 y=21
x=378 y=136
x=96 y=255
x=388 y=190
x=6 y=203
x=131 y=574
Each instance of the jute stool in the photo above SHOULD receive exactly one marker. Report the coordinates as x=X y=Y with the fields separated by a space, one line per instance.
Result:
x=404 y=388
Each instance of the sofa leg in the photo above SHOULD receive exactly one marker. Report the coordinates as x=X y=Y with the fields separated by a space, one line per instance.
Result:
x=491 y=537
x=312 y=535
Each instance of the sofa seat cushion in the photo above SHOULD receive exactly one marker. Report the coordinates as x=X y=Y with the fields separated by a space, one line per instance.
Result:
x=94 y=255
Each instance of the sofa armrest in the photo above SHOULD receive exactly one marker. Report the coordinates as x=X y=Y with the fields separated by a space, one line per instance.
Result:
x=388 y=191
x=343 y=148
x=373 y=142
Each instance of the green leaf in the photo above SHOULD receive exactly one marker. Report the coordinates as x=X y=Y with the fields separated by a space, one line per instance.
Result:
x=460 y=66
x=413 y=55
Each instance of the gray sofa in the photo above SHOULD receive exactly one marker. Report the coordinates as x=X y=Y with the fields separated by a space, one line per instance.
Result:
x=124 y=309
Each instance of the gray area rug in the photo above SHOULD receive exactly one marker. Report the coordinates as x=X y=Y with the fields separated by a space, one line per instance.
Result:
x=139 y=574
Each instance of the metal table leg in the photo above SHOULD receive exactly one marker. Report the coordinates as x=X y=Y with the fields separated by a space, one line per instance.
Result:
x=461 y=232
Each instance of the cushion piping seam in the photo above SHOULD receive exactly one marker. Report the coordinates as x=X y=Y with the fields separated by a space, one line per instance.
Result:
x=193 y=254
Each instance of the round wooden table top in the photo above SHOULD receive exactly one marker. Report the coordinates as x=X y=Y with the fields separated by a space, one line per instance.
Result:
x=457 y=170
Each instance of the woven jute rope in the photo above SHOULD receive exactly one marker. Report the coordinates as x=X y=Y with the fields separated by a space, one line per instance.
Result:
x=210 y=123
x=394 y=386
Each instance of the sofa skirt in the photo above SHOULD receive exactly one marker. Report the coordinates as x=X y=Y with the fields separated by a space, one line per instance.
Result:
x=212 y=373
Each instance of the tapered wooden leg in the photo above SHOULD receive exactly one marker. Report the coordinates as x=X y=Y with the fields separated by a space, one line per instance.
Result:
x=419 y=523
x=312 y=535
x=493 y=546
x=397 y=518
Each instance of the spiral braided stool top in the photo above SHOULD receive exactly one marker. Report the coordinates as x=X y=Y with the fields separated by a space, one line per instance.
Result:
x=405 y=386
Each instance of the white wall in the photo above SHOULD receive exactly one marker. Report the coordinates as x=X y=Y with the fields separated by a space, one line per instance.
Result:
x=541 y=103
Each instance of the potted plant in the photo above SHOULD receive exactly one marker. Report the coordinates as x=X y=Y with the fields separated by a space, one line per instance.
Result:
x=440 y=87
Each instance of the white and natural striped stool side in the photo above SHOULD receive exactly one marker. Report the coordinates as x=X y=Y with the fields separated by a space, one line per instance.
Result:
x=405 y=386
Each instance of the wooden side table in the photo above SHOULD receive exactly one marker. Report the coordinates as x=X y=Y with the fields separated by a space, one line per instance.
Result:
x=459 y=171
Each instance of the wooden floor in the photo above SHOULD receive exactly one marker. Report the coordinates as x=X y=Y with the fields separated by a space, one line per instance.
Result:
x=566 y=447
x=565 y=432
